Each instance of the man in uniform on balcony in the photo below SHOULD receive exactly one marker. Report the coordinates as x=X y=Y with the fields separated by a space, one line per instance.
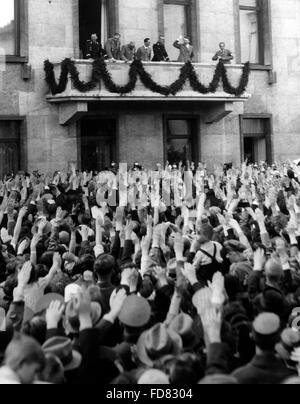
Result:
x=223 y=54
x=113 y=48
x=160 y=53
x=144 y=52
x=94 y=49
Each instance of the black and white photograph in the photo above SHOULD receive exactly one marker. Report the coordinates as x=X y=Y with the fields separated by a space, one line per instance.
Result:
x=150 y=195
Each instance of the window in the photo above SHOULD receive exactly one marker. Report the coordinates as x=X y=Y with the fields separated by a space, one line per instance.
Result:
x=256 y=138
x=9 y=147
x=180 y=140
x=255 y=32
x=10 y=27
x=178 y=17
x=250 y=28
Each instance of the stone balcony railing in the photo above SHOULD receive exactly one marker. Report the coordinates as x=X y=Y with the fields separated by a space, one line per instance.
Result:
x=162 y=73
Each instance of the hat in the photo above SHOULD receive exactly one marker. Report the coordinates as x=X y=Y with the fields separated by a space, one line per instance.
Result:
x=156 y=343
x=219 y=379
x=44 y=302
x=136 y=312
x=290 y=340
x=72 y=316
x=62 y=348
x=266 y=324
x=153 y=376
x=183 y=325
x=234 y=245
x=71 y=291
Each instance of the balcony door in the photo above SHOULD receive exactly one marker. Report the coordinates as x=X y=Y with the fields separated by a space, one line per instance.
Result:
x=98 y=143
x=93 y=19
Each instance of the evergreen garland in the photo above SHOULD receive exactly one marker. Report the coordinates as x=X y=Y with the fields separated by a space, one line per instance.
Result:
x=100 y=72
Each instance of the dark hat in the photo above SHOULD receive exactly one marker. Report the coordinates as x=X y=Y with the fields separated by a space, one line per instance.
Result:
x=290 y=339
x=44 y=302
x=183 y=325
x=62 y=348
x=136 y=312
x=234 y=245
x=156 y=343
x=266 y=324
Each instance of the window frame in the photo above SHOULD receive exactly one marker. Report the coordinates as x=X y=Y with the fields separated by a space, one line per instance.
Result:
x=20 y=41
x=268 y=135
x=191 y=11
x=263 y=10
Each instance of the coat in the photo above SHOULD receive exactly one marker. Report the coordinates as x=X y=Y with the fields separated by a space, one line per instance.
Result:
x=225 y=56
x=144 y=54
x=93 y=50
x=263 y=369
x=113 y=49
x=160 y=53
x=186 y=53
x=127 y=53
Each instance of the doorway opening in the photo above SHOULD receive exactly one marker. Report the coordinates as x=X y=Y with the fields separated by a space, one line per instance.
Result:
x=98 y=144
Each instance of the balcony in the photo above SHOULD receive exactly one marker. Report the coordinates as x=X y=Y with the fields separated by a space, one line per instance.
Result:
x=73 y=102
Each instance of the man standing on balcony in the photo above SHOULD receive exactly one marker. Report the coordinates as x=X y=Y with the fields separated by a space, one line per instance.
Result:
x=223 y=54
x=185 y=48
x=94 y=49
x=128 y=52
x=160 y=53
x=113 y=48
x=144 y=53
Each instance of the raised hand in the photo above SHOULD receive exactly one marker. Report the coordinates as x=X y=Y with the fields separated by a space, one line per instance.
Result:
x=178 y=246
x=117 y=302
x=54 y=314
x=189 y=272
x=218 y=289
x=259 y=260
x=24 y=274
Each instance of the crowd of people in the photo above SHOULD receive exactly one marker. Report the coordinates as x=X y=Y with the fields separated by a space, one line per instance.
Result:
x=179 y=276
x=114 y=51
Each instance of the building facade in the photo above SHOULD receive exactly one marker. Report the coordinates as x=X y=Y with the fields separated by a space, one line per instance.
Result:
x=42 y=131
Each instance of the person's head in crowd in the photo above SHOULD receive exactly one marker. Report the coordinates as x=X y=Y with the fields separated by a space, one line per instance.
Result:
x=131 y=46
x=25 y=358
x=266 y=332
x=104 y=267
x=36 y=328
x=274 y=271
x=235 y=251
x=183 y=370
x=219 y=379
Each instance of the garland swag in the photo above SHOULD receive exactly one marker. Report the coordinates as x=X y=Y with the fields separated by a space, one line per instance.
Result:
x=100 y=71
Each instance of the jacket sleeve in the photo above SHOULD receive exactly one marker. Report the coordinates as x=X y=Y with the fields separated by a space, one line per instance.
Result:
x=176 y=45
x=254 y=284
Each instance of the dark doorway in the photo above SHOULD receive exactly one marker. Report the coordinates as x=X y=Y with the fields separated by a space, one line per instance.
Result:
x=98 y=144
x=89 y=21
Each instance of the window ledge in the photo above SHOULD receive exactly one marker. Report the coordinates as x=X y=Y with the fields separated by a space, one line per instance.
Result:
x=16 y=59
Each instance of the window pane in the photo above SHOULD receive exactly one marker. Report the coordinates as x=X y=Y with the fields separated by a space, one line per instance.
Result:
x=175 y=25
x=179 y=150
x=254 y=126
x=177 y=127
x=7 y=27
x=248 y=3
x=249 y=36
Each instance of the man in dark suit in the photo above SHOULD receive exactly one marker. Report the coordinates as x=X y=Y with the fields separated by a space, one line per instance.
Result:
x=144 y=53
x=160 y=53
x=223 y=54
x=93 y=48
